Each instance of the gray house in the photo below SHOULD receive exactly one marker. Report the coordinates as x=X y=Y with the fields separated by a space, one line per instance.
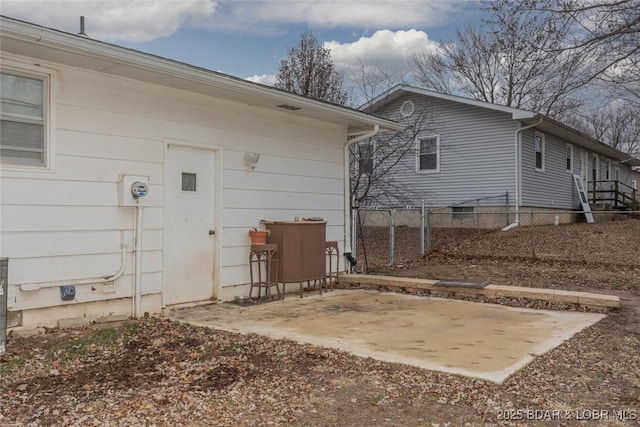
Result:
x=457 y=150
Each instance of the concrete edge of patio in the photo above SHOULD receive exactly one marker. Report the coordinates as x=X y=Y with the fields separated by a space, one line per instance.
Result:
x=412 y=285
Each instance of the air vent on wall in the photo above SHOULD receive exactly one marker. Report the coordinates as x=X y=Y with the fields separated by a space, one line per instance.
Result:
x=407 y=108
x=289 y=107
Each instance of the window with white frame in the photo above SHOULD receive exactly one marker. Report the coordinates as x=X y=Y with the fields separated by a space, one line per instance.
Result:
x=428 y=154
x=607 y=170
x=539 y=151
x=23 y=115
x=569 y=158
x=616 y=174
x=365 y=158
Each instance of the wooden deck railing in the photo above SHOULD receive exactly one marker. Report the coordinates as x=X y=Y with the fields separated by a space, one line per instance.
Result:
x=617 y=193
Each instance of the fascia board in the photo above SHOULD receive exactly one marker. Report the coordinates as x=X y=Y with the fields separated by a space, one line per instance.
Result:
x=114 y=56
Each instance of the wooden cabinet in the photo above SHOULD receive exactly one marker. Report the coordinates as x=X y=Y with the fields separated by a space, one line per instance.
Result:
x=301 y=249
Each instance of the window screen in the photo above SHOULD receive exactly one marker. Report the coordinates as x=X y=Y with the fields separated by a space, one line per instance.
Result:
x=428 y=154
x=365 y=158
x=539 y=152
x=22 y=107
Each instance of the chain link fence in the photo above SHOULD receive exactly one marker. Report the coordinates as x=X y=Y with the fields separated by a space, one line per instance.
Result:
x=402 y=236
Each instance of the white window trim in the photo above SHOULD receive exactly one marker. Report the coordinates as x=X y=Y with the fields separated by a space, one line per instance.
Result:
x=48 y=75
x=417 y=148
x=617 y=173
x=570 y=147
x=542 y=148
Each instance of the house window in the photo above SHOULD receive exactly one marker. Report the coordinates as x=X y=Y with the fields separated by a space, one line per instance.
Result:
x=23 y=111
x=462 y=212
x=616 y=173
x=428 y=154
x=593 y=159
x=539 y=147
x=365 y=158
x=634 y=184
x=188 y=181
x=569 y=157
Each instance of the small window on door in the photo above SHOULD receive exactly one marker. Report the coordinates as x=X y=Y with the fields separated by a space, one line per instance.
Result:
x=188 y=181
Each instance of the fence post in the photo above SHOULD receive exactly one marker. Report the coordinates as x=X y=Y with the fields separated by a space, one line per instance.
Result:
x=533 y=238
x=428 y=231
x=478 y=216
x=506 y=206
x=392 y=236
x=422 y=229
x=354 y=232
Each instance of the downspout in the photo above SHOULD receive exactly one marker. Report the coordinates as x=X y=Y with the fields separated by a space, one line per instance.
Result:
x=516 y=138
x=347 y=188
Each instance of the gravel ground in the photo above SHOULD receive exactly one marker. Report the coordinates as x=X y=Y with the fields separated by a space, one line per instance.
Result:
x=157 y=372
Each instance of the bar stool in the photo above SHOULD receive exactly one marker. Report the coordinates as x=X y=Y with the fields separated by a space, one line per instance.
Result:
x=331 y=249
x=264 y=256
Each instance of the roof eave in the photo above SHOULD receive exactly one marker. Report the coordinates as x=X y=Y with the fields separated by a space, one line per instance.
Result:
x=119 y=61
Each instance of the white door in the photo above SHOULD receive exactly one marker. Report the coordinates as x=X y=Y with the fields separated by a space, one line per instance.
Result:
x=188 y=225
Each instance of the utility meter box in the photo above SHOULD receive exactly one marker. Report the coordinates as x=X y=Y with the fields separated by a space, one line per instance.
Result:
x=133 y=190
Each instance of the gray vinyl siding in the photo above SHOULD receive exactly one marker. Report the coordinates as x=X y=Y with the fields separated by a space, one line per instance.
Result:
x=553 y=187
x=476 y=153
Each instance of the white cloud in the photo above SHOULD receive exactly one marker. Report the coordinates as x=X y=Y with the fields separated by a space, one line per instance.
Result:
x=145 y=20
x=346 y=13
x=386 y=50
x=114 y=20
x=265 y=79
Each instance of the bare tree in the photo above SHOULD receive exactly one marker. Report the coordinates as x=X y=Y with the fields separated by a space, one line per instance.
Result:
x=608 y=31
x=617 y=125
x=512 y=61
x=309 y=70
x=374 y=163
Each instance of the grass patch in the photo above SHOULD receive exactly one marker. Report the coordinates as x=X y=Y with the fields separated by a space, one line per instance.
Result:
x=9 y=366
x=104 y=337
x=234 y=348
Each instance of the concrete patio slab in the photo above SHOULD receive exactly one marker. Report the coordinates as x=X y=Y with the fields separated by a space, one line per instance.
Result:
x=474 y=339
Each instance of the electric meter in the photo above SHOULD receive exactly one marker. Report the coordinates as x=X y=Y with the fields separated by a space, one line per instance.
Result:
x=133 y=190
x=139 y=189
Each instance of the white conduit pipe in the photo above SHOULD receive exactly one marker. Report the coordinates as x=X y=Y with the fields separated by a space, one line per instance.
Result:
x=347 y=188
x=137 y=278
x=77 y=282
x=517 y=173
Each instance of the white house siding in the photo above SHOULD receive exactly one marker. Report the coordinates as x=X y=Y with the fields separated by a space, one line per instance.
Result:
x=65 y=223
x=476 y=153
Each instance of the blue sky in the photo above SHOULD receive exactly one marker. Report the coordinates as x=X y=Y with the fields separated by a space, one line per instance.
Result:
x=248 y=38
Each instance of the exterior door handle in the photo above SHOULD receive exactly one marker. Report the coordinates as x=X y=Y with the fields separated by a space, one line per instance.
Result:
x=212 y=232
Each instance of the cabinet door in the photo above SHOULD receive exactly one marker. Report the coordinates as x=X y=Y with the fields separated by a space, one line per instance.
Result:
x=313 y=251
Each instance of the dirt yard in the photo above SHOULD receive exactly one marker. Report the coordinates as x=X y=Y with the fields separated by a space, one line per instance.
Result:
x=157 y=372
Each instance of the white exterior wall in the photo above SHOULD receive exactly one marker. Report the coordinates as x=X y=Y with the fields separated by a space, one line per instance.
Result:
x=64 y=222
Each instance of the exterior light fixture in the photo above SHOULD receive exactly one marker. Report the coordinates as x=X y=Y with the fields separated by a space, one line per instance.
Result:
x=251 y=159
